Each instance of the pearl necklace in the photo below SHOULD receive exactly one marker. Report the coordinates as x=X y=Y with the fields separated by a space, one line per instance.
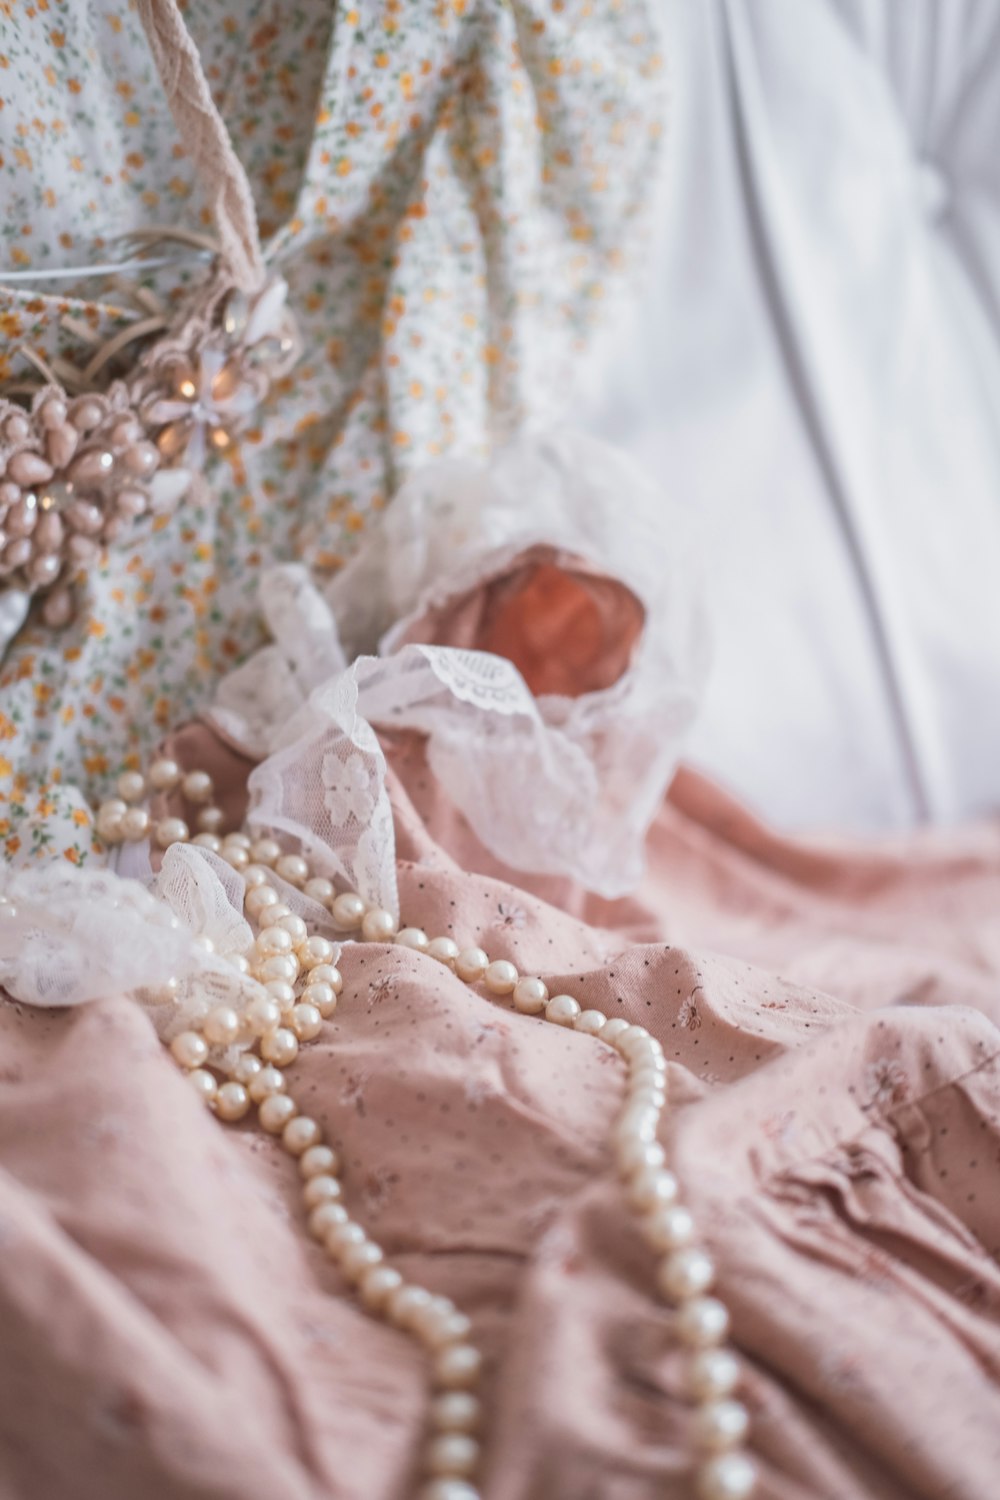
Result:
x=301 y=987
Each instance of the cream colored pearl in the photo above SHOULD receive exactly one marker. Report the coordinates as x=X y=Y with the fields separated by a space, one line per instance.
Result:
x=634 y=1155
x=255 y=875
x=439 y=1326
x=321 y=1189
x=109 y=819
x=262 y=1016
x=637 y=1123
x=319 y=889
x=377 y=1285
x=299 y=1134
x=327 y=974
x=613 y=1029
x=232 y=1101
x=590 y=1022
x=265 y=851
x=444 y=950
x=208 y=841
x=315 y=951
x=562 y=1010
x=355 y=1260
x=669 y=1228
x=458 y=1366
x=471 y=964
x=280 y=1048
x=189 y=1049
x=283 y=966
x=246 y=1068
x=295 y=927
x=203 y=941
x=343 y=1236
x=456 y=1411
x=347 y=910
x=275 y=1112
x=407 y=1303
x=260 y=898
x=448 y=1489
x=278 y=910
x=500 y=977
x=306 y=1021
x=164 y=774
x=378 y=925
x=203 y=1082
x=530 y=996
x=171 y=831
x=322 y=997
x=273 y=940
x=131 y=785
x=319 y=1161
x=197 y=786
x=413 y=937
x=240 y=964
x=239 y=841
x=282 y=993
x=221 y=1026
x=293 y=868
x=265 y=1084
x=720 y=1425
x=650 y=1187
x=452 y=1454
x=211 y=819
x=731 y=1476
x=323 y=1220
x=686 y=1273
x=713 y=1373
x=135 y=823
x=702 y=1321
x=235 y=855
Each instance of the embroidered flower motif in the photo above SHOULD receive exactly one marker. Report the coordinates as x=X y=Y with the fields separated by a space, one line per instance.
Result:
x=689 y=1016
x=348 y=793
x=381 y=989
x=886 y=1083
x=511 y=917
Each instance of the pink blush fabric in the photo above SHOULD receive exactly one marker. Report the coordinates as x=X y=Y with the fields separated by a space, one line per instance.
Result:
x=170 y=1331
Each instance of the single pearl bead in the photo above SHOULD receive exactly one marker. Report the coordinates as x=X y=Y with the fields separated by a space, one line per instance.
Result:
x=210 y=819
x=262 y=1016
x=686 y=1273
x=323 y=1220
x=413 y=937
x=731 y=1476
x=637 y=1123
x=189 y=1049
x=203 y=941
x=377 y=1285
x=293 y=868
x=164 y=774
x=280 y=1048
x=529 y=996
x=355 y=1260
x=378 y=926
x=171 y=831
x=721 y=1424
x=322 y=997
x=441 y=1326
x=319 y=889
x=326 y=974
x=254 y=876
x=650 y=1187
x=612 y=1029
x=197 y=786
x=669 y=1228
x=500 y=977
x=299 y=1134
x=109 y=818
x=275 y=1113
x=634 y=1155
x=347 y=910
x=448 y=1489
x=453 y=1453
x=235 y=855
x=221 y=1026
x=232 y=1101
x=273 y=940
x=458 y=1366
x=282 y=993
x=265 y=851
x=135 y=823
x=702 y=1322
x=294 y=926
x=319 y=1161
x=208 y=841
x=343 y=1236
x=306 y=1021
x=259 y=899
x=315 y=951
x=471 y=964
x=456 y=1411
x=647 y=1098
x=246 y=1068
x=131 y=785
x=712 y=1373
x=204 y=1084
x=406 y=1303
x=444 y=950
x=590 y=1022
x=239 y=841
x=562 y=1010
x=283 y=966
x=265 y=1084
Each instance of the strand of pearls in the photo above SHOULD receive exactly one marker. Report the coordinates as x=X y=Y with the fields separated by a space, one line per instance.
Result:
x=302 y=986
